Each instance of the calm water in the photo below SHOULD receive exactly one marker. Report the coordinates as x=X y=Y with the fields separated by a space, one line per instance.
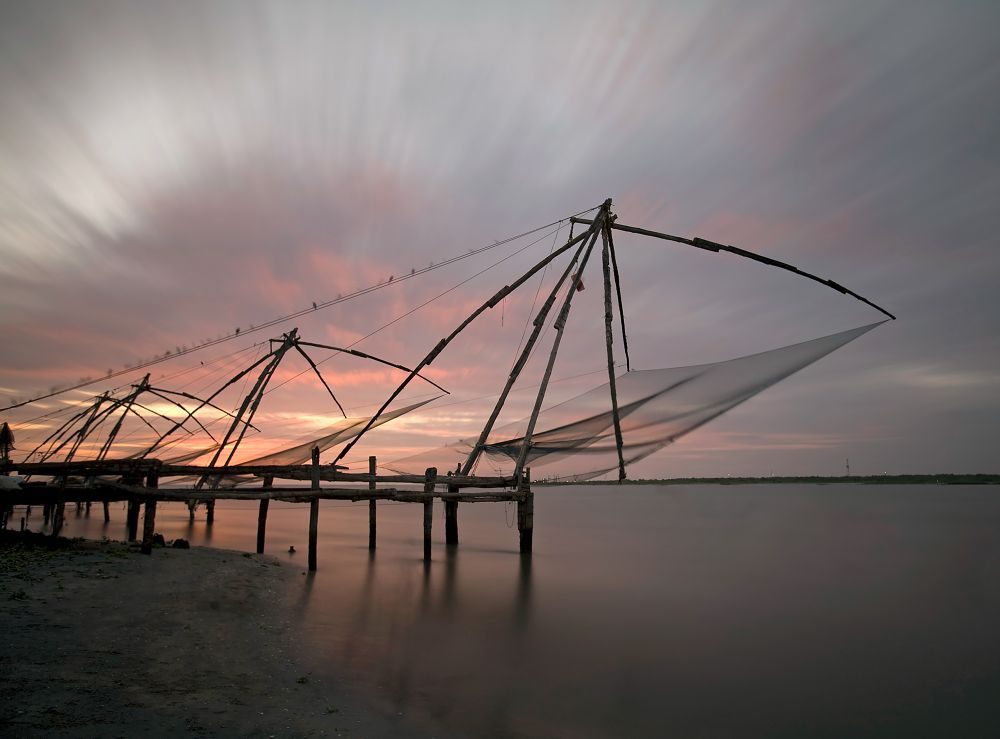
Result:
x=758 y=610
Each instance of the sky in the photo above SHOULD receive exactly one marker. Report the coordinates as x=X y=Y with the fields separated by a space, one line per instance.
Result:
x=170 y=172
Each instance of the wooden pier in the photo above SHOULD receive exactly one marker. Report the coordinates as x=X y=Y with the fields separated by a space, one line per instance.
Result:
x=138 y=483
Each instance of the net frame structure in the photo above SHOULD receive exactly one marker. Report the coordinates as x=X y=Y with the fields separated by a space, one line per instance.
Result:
x=85 y=426
x=601 y=226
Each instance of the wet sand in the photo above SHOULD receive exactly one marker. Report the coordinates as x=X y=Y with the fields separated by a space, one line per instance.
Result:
x=100 y=640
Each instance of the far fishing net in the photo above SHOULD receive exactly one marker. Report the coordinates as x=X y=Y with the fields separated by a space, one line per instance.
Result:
x=575 y=440
x=340 y=432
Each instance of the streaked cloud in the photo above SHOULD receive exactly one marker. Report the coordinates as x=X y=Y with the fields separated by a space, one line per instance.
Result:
x=168 y=174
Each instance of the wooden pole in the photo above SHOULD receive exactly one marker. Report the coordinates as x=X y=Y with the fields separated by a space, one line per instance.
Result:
x=618 y=290
x=501 y=294
x=713 y=246
x=429 y=479
x=539 y=324
x=314 y=511
x=148 y=526
x=371 y=504
x=132 y=519
x=262 y=524
x=451 y=519
x=149 y=520
x=107 y=512
x=59 y=517
x=209 y=512
x=253 y=397
x=526 y=513
x=609 y=342
x=262 y=517
x=560 y=324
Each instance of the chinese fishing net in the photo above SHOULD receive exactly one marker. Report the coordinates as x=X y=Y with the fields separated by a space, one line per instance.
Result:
x=575 y=440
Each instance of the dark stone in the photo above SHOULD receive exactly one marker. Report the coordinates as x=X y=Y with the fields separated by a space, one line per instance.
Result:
x=158 y=540
x=181 y=544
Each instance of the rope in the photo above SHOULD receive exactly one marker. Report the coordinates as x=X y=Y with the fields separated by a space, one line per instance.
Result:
x=414 y=310
x=282 y=319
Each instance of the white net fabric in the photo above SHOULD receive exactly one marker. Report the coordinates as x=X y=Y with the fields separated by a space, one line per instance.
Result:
x=575 y=440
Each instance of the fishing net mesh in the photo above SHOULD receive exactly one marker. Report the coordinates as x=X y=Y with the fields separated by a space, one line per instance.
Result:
x=575 y=440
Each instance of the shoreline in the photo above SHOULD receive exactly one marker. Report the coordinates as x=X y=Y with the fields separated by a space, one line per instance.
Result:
x=100 y=640
x=943 y=479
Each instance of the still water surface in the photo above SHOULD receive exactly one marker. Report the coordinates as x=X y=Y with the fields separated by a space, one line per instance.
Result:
x=689 y=611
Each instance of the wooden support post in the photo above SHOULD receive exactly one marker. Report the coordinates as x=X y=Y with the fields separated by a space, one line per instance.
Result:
x=149 y=516
x=209 y=512
x=262 y=524
x=314 y=511
x=46 y=513
x=526 y=512
x=148 y=526
x=132 y=519
x=451 y=519
x=59 y=517
x=429 y=479
x=313 y=529
x=107 y=512
x=262 y=517
x=371 y=504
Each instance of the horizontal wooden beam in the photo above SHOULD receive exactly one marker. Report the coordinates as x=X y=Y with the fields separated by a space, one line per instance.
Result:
x=328 y=473
x=113 y=492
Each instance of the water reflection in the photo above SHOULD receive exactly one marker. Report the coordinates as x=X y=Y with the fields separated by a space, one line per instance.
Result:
x=749 y=611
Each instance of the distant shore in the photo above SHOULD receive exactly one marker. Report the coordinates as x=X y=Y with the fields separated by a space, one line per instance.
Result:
x=948 y=479
x=99 y=640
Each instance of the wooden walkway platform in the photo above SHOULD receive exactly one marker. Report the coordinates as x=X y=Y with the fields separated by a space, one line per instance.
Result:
x=142 y=483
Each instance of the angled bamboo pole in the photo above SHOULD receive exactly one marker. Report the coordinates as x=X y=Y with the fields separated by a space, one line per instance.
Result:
x=251 y=402
x=714 y=246
x=504 y=292
x=188 y=414
x=253 y=410
x=609 y=342
x=618 y=289
x=84 y=430
x=57 y=434
x=234 y=379
x=539 y=324
x=113 y=434
x=189 y=396
x=315 y=369
x=560 y=325
x=372 y=357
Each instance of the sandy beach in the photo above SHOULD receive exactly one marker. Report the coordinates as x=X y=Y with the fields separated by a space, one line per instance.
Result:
x=100 y=640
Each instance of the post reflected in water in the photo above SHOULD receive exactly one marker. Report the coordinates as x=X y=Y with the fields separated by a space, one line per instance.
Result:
x=305 y=595
x=425 y=589
x=450 y=570
x=522 y=602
